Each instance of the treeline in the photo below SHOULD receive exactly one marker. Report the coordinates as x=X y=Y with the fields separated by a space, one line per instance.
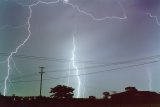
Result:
x=62 y=96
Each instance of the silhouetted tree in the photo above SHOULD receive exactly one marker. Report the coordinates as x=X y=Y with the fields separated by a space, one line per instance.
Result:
x=92 y=97
x=130 y=89
x=113 y=92
x=106 y=95
x=61 y=91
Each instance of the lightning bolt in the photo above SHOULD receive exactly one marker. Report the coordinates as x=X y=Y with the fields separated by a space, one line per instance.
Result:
x=93 y=17
x=154 y=17
x=75 y=67
x=76 y=7
x=15 y=66
x=29 y=35
x=16 y=50
x=149 y=78
x=148 y=71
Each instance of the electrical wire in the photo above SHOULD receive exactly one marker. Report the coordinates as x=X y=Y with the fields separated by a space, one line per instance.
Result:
x=91 y=73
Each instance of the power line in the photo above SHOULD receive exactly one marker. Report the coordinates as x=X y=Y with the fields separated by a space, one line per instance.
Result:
x=91 y=73
x=79 y=61
x=91 y=67
x=49 y=59
x=63 y=70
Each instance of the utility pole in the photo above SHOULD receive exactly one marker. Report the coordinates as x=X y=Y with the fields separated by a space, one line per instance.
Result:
x=42 y=68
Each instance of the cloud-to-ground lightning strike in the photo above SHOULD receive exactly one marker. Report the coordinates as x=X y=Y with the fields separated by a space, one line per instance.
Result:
x=16 y=50
x=148 y=71
x=149 y=77
x=75 y=67
x=29 y=32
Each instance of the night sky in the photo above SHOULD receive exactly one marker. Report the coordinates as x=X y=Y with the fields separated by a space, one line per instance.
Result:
x=98 y=43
